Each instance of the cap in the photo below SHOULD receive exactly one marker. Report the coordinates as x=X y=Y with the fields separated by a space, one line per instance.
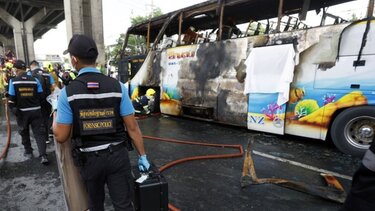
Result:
x=19 y=64
x=34 y=62
x=82 y=46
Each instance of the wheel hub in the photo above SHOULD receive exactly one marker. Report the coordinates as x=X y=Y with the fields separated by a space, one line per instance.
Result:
x=360 y=131
x=366 y=131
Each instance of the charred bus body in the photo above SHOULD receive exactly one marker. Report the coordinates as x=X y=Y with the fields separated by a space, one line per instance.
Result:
x=280 y=77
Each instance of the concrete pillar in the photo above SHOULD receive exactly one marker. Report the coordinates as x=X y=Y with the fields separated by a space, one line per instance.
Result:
x=29 y=25
x=73 y=17
x=86 y=17
x=2 y=46
x=8 y=44
x=97 y=28
x=17 y=32
x=23 y=29
x=17 y=35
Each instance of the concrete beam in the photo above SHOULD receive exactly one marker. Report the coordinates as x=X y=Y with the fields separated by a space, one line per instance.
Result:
x=29 y=25
x=8 y=18
x=23 y=29
x=17 y=32
x=37 y=17
x=53 y=4
x=45 y=26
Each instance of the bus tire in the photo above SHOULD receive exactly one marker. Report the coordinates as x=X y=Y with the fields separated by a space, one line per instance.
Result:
x=353 y=130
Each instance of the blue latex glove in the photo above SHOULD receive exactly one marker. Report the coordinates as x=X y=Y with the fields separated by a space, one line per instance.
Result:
x=143 y=163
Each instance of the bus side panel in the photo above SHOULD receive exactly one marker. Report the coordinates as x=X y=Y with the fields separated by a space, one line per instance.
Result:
x=305 y=108
x=328 y=86
x=353 y=74
x=264 y=114
x=202 y=79
x=173 y=61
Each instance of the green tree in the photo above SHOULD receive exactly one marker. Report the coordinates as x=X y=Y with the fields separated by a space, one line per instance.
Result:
x=136 y=44
x=114 y=51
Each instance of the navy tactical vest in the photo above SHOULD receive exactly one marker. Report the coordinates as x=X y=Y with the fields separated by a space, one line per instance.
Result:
x=26 y=89
x=95 y=101
x=44 y=79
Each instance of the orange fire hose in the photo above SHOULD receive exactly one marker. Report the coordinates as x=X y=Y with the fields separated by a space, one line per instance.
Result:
x=183 y=160
x=5 y=150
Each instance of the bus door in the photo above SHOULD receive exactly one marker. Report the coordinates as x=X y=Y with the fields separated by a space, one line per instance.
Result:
x=129 y=66
x=269 y=72
x=264 y=114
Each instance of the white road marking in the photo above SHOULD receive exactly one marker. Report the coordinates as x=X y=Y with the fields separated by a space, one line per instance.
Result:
x=312 y=168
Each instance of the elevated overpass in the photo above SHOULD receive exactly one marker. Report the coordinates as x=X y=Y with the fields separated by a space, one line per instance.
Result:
x=24 y=21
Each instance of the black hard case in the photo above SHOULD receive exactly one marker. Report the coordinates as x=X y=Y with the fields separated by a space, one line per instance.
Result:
x=152 y=194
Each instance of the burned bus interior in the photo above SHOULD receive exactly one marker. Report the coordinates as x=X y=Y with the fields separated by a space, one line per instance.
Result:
x=208 y=16
x=214 y=21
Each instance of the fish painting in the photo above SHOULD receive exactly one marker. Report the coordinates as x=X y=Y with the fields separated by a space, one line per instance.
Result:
x=296 y=94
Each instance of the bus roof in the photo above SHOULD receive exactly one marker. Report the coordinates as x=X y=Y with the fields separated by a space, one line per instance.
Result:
x=206 y=15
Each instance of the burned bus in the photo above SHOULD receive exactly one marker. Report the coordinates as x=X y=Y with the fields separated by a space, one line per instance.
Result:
x=276 y=75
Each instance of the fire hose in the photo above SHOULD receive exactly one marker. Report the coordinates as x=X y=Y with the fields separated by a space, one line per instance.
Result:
x=202 y=157
x=5 y=149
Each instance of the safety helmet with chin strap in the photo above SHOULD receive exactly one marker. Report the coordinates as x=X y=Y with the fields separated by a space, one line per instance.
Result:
x=150 y=92
x=48 y=66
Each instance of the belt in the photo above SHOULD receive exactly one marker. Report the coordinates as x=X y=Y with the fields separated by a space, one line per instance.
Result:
x=111 y=147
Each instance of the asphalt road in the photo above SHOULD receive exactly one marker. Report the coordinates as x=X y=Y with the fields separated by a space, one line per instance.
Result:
x=196 y=185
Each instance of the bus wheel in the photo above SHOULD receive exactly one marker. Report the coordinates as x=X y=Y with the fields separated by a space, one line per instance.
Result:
x=353 y=130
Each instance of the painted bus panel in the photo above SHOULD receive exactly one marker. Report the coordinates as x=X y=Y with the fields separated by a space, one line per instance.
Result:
x=211 y=75
x=300 y=91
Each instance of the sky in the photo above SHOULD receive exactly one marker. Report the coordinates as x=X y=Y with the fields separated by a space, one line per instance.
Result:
x=116 y=20
x=117 y=14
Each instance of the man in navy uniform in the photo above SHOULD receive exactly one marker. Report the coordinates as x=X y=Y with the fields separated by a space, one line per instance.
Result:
x=26 y=93
x=97 y=111
x=48 y=85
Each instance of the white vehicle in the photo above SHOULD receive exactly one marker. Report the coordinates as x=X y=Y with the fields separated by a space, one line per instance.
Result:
x=280 y=77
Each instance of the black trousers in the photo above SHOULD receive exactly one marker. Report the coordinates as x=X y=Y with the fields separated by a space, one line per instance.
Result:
x=33 y=118
x=362 y=193
x=46 y=116
x=112 y=169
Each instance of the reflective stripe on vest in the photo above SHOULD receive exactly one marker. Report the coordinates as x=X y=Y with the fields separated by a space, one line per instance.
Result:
x=369 y=160
x=94 y=96
x=30 y=109
x=24 y=82
x=72 y=75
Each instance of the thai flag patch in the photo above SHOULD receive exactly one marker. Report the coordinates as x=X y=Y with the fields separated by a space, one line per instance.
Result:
x=93 y=85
